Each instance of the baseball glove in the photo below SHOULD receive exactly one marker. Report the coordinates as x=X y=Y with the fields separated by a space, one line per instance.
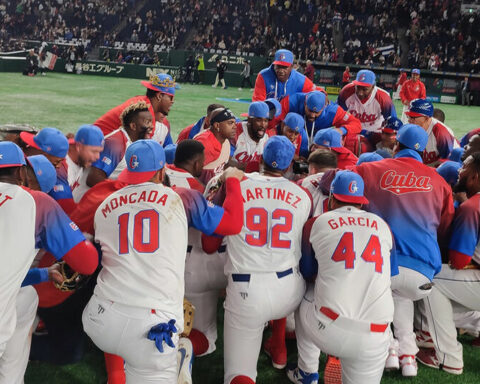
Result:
x=71 y=280
x=188 y=314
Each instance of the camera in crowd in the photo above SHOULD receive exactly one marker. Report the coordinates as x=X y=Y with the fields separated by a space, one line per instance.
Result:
x=300 y=167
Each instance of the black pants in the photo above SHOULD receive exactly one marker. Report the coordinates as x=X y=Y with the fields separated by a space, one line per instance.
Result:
x=64 y=343
x=246 y=79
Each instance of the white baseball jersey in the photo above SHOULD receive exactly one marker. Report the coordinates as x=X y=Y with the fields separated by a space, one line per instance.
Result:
x=352 y=248
x=246 y=149
x=320 y=201
x=372 y=112
x=160 y=133
x=441 y=141
x=74 y=171
x=275 y=211
x=181 y=178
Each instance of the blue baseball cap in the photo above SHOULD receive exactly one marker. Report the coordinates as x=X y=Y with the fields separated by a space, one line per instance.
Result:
x=294 y=121
x=278 y=152
x=369 y=157
x=416 y=71
x=11 y=155
x=365 y=78
x=456 y=155
x=258 y=109
x=315 y=101
x=45 y=172
x=449 y=171
x=420 y=107
x=329 y=137
x=161 y=82
x=348 y=186
x=391 y=125
x=49 y=140
x=90 y=134
x=170 y=153
x=413 y=136
x=283 y=57
x=274 y=104
x=144 y=158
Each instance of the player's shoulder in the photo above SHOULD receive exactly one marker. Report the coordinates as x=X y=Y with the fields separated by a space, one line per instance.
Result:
x=383 y=96
x=471 y=206
x=347 y=91
x=440 y=128
x=41 y=198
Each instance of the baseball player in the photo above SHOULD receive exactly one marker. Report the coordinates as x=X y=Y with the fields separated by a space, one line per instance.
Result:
x=216 y=141
x=417 y=204
x=251 y=137
x=332 y=139
x=161 y=131
x=262 y=266
x=89 y=143
x=466 y=138
x=319 y=114
x=43 y=224
x=441 y=139
x=368 y=103
x=292 y=127
x=53 y=144
x=457 y=282
x=352 y=250
x=280 y=79
x=159 y=98
x=142 y=229
x=202 y=124
x=390 y=127
x=412 y=89
x=402 y=77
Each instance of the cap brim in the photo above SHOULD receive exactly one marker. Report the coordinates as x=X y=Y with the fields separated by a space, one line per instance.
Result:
x=414 y=114
x=11 y=165
x=28 y=139
x=284 y=63
x=71 y=141
x=351 y=199
x=135 y=177
x=355 y=82
x=148 y=85
x=388 y=130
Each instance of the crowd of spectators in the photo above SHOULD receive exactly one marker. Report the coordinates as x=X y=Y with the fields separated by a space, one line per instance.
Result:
x=364 y=32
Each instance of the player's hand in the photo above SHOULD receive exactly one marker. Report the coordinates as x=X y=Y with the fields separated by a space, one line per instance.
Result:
x=54 y=274
x=232 y=172
x=162 y=332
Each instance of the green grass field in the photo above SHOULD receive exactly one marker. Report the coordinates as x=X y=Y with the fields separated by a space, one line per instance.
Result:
x=67 y=101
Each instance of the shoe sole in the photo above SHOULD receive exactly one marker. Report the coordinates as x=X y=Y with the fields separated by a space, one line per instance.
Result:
x=275 y=365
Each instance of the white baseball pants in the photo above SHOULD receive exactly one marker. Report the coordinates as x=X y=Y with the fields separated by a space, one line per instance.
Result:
x=451 y=285
x=122 y=330
x=248 y=306
x=204 y=279
x=361 y=351
x=14 y=360
x=405 y=290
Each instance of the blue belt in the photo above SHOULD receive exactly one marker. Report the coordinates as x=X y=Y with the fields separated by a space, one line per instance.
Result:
x=245 y=277
x=221 y=249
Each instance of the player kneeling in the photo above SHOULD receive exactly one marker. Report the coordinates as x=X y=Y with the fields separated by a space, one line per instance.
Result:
x=348 y=311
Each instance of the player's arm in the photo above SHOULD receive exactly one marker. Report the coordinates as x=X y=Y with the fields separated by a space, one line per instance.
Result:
x=308 y=86
x=341 y=100
x=350 y=123
x=308 y=262
x=57 y=234
x=465 y=236
x=403 y=94
x=423 y=91
x=260 y=91
x=388 y=108
x=62 y=192
x=40 y=275
x=102 y=168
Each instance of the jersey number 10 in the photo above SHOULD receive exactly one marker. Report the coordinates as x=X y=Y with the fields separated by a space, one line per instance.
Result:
x=138 y=236
x=346 y=252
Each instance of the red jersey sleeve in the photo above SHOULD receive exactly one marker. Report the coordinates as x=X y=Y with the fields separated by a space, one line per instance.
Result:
x=260 y=92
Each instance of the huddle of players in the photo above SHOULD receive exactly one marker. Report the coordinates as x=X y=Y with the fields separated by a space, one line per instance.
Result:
x=263 y=217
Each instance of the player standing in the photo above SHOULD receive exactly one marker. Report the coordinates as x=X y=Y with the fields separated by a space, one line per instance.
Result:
x=412 y=89
x=142 y=229
x=262 y=266
x=352 y=250
x=280 y=79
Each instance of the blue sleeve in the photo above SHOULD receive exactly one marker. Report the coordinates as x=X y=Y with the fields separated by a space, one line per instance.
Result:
x=35 y=276
x=54 y=231
x=168 y=140
x=111 y=155
x=61 y=190
x=465 y=233
x=304 y=144
x=308 y=263
x=201 y=214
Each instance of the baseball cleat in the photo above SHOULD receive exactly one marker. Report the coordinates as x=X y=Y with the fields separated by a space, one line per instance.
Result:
x=184 y=361
x=392 y=362
x=296 y=375
x=333 y=371
x=423 y=339
x=428 y=357
x=409 y=365
x=277 y=354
